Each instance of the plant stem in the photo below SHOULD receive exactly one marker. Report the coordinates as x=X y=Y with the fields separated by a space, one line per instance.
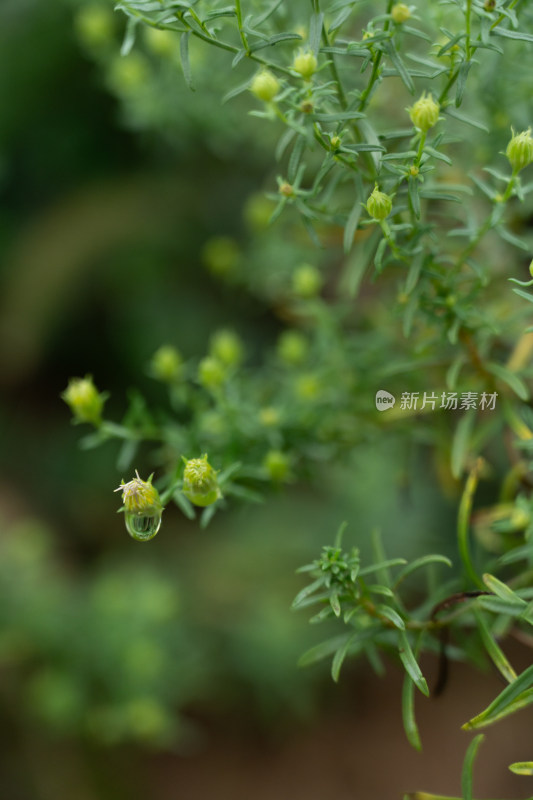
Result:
x=465 y=508
x=244 y=39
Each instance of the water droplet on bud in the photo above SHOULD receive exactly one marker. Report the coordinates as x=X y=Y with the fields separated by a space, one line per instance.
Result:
x=142 y=526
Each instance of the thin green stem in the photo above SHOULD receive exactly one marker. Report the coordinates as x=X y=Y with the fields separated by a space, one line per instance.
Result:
x=243 y=36
x=489 y=223
x=421 y=146
x=468 y=24
x=365 y=96
x=463 y=519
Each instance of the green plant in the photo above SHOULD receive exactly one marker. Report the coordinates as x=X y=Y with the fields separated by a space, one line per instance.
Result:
x=375 y=165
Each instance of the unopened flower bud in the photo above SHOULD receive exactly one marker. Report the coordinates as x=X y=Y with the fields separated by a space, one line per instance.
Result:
x=227 y=347
x=292 y=347
x=167 y=364
x=211 y=372
x=277 y=465
x=531 y=269
x=84 y=401
x=265 y=86
x=520 y=150
x=142 y=508
x=306 y=281
x=424 y=113
x=200 y=483
x=335 y=142
x=400 y=13
x=286 y=189
x=379 y=205
x=221 y=255
x=305 y=64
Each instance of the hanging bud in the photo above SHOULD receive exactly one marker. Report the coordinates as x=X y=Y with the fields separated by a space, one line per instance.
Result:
x=400 y=13
x=424 y=113
x=142 y=508
x=305 y=64
x=379 y=205
x=520 y=150
x=84 y=401
x=265 y=86
x=200 y=484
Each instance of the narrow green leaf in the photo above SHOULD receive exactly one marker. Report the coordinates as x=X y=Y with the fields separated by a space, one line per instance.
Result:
x=184 y=504
x=502 y=590
x=510 y=378
x=129 y=36
x=400 y=66
x=468 y=765
x=414 y=197
x=323 y=650
x=408 y=712
x=315 y=31
x=452 y=112
x=279 y=37
x=335 y=604
x=295 y=158
x=464 y=69
x=525 y=295
x=410 y=663
x=185 y=64
x=306 y=591
x=522 y=767
x=353 y=219
x=423 y=561
x=376 y=588
x=414 y=272
x=509 y=34
x=340 y=655
x=493 y=649
x=392 y=615
x=461 y=442
x=515 y=696
x=382 y=565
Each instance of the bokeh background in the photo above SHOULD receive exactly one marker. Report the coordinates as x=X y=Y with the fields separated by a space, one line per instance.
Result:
x=169 y=670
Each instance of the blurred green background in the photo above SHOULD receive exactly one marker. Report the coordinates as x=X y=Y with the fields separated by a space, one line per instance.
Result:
x=170 y=669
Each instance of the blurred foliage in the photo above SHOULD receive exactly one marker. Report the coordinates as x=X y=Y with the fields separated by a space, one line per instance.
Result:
x=137 y=247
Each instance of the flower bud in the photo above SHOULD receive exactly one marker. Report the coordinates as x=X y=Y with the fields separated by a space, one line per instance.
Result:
x=292 y=347
x=160 y=42
x=531 y=269
x=424 y=113
x=142 y=508
x=269 y=416
x=306 y=281
x=84 y=401
x=227 y=348
x=167 y=364
x=286 y=189
x=265 y=86
x=277 y=465
x=305 y=64
x=379 y=205
x=220 y=255
x=200 y=484
x=400 y=13
x=95 y=25
x=335 y=142
x=211 y=372
x=520 y=150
